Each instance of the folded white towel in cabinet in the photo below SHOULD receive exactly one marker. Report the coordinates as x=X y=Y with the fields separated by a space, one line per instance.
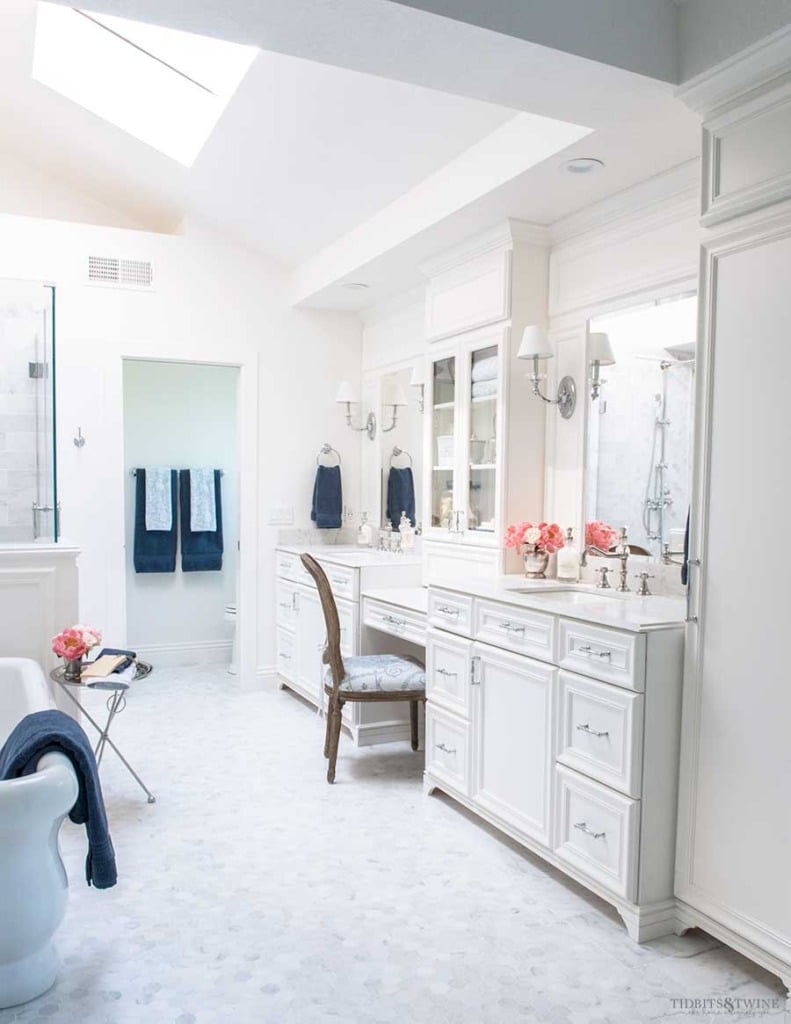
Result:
x=485 y=369
x=483 y=388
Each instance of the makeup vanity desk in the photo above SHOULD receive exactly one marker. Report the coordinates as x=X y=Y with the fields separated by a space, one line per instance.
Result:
x=398 y=611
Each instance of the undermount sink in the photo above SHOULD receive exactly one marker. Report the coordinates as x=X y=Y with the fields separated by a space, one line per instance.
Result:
x=571 y=597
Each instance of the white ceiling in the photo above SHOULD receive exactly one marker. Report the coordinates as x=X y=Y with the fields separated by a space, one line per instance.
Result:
x=314 y=152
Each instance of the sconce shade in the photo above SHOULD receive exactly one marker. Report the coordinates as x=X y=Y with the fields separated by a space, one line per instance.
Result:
x=600 y=350
x=397 y=396
x=535 y=344
x=346 y=392
x=418 y=378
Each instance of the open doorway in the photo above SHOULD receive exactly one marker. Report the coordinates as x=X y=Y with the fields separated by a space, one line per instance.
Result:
x=183 y=416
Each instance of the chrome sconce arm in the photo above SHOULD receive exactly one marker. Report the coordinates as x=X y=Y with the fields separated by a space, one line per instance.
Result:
x=567 y=391
x=369 y=427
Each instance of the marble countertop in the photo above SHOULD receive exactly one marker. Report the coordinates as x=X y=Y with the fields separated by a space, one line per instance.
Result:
x=351 y=557
x=413 y=599
x=578 y=601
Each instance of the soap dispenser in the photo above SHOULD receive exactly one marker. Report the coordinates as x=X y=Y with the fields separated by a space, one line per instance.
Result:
x=407 y=531
x=364 y=532
x=569 y=559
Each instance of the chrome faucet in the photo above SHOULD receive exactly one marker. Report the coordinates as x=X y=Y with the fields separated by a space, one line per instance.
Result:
x=621 y=552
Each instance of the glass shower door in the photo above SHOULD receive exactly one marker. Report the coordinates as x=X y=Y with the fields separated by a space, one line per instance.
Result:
x=28 y=475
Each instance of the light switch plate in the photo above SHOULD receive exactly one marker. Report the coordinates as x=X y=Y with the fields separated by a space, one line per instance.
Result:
x=281 y=516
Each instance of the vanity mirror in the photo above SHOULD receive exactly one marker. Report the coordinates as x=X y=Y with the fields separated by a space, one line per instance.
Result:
x=639 y=430
x=400 y=446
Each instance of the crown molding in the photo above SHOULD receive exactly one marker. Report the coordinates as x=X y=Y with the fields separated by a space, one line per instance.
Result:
x=498 y=239
x=670 y=194
x=754 y=67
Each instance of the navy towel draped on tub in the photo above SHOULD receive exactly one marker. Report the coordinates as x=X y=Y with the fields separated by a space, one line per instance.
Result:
x=154 y=550
x=327 y=511
x=45 y=731
x=201 y=551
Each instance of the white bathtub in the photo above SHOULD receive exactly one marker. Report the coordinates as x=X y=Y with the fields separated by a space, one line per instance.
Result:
x=33 y=883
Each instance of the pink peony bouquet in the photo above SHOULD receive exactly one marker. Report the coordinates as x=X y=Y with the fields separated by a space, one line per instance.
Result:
x=546 y=536
x=71 y=644
x=600 y=535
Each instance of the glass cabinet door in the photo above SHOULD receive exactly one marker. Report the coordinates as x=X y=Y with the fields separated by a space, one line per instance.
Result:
x=443 y=442
x=481 y=444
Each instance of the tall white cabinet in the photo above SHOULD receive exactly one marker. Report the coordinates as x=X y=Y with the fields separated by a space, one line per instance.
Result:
x=732 y=865
x=484 y=431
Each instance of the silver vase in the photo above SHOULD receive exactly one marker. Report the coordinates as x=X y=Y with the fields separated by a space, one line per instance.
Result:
x=72 y=671
x=536 y=561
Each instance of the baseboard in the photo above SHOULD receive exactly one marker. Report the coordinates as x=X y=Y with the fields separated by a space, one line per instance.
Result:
x=266 y=678
x=200 y=652
x=380 y=732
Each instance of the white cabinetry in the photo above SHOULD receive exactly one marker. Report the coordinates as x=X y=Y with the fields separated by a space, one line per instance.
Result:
x=302 y=636
x=580 y=766
x=484 y=441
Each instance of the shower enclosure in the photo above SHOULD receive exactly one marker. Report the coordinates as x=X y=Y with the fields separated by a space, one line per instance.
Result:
x=28 y=474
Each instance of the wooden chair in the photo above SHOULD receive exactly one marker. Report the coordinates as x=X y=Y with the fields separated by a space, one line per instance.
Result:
x=369 y=677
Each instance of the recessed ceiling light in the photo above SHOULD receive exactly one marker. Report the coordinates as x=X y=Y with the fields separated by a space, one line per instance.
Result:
x=583 y=165
x=355 y=286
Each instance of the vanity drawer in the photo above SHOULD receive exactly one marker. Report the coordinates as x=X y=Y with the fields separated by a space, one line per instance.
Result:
x=601 y=732
x=451 y=611
x=401 y=622
x=290 y=567
x=598 y=832
x=285 y=605
x=342 y=580
x=448 y=671
x=347 y=615
x=516 y=629
x=608 y=654
x=285 y=654
x=448 y=748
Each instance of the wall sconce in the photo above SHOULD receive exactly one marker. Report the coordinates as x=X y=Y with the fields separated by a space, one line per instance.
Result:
x=418 y=380
x=397 y=398
x=599 y=354
x=346 y=396
x=536 y=345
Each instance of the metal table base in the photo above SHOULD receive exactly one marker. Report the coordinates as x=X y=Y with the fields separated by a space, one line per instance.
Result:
x=116 y=703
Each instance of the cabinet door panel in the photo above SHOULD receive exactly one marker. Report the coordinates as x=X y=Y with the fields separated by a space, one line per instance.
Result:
x=310 y=638
x=513 y=741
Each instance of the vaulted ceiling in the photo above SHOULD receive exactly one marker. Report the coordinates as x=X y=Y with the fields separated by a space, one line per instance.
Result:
x=370 y=132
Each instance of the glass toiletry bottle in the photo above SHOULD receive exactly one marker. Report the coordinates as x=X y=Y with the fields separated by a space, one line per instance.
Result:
x=385 y=534
x=569 y=559
x=364 y=532
x=407 y=531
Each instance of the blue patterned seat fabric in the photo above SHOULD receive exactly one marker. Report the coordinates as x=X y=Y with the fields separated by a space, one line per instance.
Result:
x=387 y=672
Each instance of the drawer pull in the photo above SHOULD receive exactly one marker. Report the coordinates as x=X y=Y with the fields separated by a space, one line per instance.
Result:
x=394 y=621
x=340 y=580
x=445 y=609
x=512 y=627
x=589 y=651
x=444 y=749
x=591 y=732
x=288 y=607
x=284 y=656
x=446 y=672
x=582 y=826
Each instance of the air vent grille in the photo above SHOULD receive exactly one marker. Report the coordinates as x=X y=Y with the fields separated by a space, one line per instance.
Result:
x=108 y=270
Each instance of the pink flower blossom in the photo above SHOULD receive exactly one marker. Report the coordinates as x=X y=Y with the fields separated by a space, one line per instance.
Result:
x=69 y=644
x=546 y=536
x=600 y=535
x=91 y=637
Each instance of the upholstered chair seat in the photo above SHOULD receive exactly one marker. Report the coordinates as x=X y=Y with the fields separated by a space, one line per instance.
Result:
x=388 y=672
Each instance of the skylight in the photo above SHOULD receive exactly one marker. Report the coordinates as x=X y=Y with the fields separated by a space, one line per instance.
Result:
x=166 y=88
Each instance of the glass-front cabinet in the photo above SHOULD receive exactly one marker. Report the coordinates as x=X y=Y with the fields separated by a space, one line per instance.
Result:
x=467 y=388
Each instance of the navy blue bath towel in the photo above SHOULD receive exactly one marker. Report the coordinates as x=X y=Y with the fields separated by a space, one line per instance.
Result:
x=200 y=551
x=327 y=510
x=47 y=731
x=400 y=495
x=154 y=550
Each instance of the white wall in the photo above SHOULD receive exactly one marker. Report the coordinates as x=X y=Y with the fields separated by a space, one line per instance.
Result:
x=213 y=302
x=182 y=415
x=710 y=31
